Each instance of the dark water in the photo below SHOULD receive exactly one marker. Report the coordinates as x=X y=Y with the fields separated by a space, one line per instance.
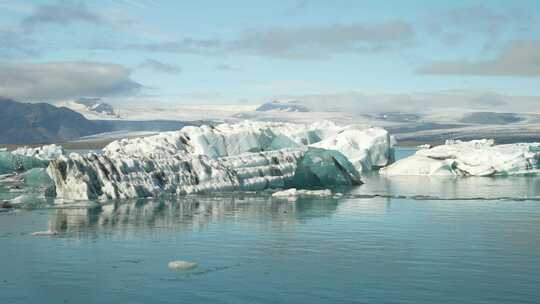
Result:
x=398 y=241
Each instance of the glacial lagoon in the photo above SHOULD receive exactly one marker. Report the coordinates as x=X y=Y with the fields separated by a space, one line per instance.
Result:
x=391 y=240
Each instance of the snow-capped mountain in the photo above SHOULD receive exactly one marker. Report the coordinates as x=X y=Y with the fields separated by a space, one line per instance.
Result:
x=291 y=106
x=91 y=108
x=97 y=105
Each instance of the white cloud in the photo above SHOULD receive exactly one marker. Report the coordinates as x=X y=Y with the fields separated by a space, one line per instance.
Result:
x=59 y=80
x=297 y=43
x=158 y=66
x=519 y=58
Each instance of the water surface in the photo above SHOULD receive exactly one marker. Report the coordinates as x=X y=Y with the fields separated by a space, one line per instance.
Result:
x=404 y=240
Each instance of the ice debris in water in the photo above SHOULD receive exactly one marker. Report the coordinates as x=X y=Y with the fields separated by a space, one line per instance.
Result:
x=471 y=158
x=45 y=233
x=243 y=156
x=182 y=265
x=293 y=193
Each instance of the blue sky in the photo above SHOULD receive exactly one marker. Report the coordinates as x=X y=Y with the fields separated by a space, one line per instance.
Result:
x=248 y=51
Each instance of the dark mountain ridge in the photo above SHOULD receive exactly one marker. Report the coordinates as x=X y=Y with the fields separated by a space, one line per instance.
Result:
x=42 y=123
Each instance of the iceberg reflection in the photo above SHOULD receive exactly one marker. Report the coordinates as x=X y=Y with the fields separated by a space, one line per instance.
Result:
x=440 y=187
x=187 y=214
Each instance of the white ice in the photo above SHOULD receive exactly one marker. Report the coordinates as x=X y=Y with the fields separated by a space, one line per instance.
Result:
x=181 y=265
x=46 y=152
x=472 y=158
x=243 y=156
x=293 y=193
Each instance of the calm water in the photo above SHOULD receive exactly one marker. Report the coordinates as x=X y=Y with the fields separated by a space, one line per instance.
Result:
x=404 y=240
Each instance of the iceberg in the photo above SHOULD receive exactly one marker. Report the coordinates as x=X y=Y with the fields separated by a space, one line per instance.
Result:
x=10 y=163
x=367 y=149
x=182 y=265
x=46 y=152
x=228 y=157
x=106 y=177
x=470 y=158
x=26 y=158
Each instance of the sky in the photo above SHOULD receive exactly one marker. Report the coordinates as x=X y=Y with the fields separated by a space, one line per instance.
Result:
x=482 y=53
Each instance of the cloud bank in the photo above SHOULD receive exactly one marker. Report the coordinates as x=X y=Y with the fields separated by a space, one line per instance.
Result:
x=297 y=43
x=519 y=58
x=158 y=66
x=61 y=13
x=64 y=80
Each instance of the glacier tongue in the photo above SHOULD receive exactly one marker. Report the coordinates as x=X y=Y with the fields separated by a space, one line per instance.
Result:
x=243 y=156
x=472 y=158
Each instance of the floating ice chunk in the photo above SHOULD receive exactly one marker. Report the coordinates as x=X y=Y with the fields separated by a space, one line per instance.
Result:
x=472 y=158
x=366 y=149
x=293 y=193
x=182 y=265
x=18 y=163
x=46 y=152
x=23 y=159
x=45 y=233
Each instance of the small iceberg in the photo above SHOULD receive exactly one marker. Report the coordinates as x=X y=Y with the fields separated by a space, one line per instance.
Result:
x=45 y=233
x=470 y=158
x=182 y=265
x=47 y=152
x=293 y=194
x=26 y=158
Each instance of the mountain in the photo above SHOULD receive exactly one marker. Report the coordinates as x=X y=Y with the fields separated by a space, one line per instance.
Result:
x=96 y=105
x=27 y=123
x=290 y=106
x=491 y=118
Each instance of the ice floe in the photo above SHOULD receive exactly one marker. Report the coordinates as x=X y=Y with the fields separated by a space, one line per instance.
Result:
x=293 y=193
x=45 y=233
x=182 y=265
x=470 y=158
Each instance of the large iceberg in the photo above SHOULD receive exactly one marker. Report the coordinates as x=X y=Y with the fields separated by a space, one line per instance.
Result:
x=243 y=156
x=471 y=158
